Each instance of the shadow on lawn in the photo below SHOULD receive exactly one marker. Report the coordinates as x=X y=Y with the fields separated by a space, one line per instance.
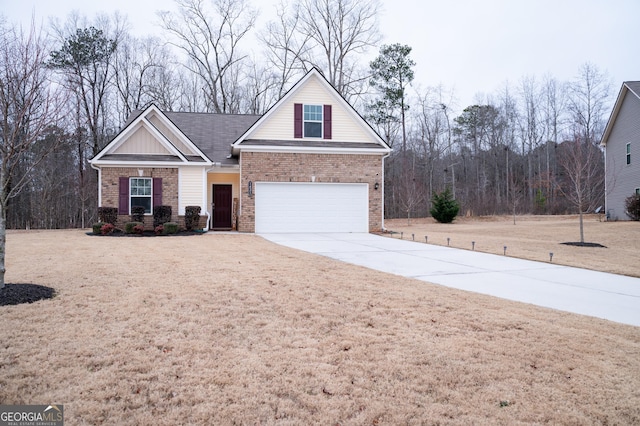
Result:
x=16 y=294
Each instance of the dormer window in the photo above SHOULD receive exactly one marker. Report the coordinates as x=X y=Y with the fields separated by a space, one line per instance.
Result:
x=312 y=121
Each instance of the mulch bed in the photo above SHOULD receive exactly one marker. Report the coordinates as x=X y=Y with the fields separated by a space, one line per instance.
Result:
x=579 y=244
x=16 y=294
x=119 y=233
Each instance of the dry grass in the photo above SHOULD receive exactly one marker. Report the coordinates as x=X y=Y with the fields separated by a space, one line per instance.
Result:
x=534 y=237
x=232 y=329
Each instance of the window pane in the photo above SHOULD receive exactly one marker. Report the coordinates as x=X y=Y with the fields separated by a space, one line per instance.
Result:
x=312 y=130
x=313 y=112
x=141 y=193
x=142 y=201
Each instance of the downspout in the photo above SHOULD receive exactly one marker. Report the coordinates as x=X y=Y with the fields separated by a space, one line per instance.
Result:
x=606 y=183
x=383 y=158
x=99 y=170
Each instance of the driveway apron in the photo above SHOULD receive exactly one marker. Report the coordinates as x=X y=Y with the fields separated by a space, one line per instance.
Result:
x=598 y=294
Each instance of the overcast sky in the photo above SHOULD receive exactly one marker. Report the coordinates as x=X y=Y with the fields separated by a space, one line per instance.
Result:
x=471 y=46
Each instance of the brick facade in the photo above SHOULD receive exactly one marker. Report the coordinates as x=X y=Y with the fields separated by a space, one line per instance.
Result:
x=110 y=185
x=296 y=167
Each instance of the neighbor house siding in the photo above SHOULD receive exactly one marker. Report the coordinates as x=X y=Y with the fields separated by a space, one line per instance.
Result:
x=280 y=124
x=110 y=179
x=191 y=184
x=293 y=167
x=141 y=142
x=623 y=179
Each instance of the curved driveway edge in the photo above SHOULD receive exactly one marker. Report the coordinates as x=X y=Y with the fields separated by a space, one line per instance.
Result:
x=598 y=294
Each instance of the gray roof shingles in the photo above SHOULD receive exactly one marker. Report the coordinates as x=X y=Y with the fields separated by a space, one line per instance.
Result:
x=213 y=134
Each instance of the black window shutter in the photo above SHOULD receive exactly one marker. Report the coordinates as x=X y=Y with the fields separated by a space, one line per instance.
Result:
x=123 y=195
x=297 y=120
x=327 y=121
x=157 y=192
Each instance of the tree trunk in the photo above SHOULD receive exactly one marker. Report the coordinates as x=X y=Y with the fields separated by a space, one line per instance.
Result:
x=3 y=242
x=581 y=228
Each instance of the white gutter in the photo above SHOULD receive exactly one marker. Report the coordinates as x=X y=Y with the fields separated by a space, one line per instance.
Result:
x=309 y=150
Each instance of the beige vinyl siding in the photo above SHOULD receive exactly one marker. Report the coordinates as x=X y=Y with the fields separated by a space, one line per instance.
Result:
x=175 y=140
x=141 y=142
x=623 y=179
x=191 y=181
x=279 y=125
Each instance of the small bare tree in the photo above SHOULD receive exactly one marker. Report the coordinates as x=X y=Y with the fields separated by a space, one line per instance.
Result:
x=583 y=179
x=29 y=106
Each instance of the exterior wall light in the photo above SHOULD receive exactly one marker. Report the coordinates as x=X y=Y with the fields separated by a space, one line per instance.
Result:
x=376 y=186
x=250 y=189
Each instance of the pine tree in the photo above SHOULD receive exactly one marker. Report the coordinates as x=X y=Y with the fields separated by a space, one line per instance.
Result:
x=445 y=208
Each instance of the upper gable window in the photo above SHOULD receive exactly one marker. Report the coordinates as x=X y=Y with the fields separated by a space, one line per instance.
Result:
x=628 y=153
x=313 y=121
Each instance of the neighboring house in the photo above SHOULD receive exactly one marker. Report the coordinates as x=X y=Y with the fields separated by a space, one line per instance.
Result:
x=621 y=140
x=310 y=164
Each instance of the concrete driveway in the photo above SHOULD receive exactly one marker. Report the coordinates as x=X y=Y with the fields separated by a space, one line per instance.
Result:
x=598 y=294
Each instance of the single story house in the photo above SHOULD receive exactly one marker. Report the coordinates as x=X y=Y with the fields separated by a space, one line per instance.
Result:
x=311 y=163
x=621 y=142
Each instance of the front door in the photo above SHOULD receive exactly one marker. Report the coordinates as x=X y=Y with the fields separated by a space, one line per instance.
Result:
x=222 y=207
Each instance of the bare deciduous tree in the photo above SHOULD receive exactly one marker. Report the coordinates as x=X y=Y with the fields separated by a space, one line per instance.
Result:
x=211 y=38
x=141 y=70
x=328 y=35
x=583 y=183
x=29 y=106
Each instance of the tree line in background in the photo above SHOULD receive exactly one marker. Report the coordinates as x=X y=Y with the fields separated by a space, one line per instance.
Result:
x=67 y=89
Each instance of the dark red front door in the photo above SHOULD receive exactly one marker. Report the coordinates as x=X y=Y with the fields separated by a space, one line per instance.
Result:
x=221 y=207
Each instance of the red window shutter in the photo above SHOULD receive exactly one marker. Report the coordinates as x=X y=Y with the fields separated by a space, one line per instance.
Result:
x=157 y=192
x=297 y=120
x=327 y=121
x=123 y=195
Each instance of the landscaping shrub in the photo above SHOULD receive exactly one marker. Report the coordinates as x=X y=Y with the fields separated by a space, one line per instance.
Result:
x=138 y=229
x=137 y=214
x=632 y=206
x=108 y=215
x=170 y=228
x=97 y=227
x=191 y=217
x=161 y=214
x=129 y=227
x=159 y=229
x=107 y=229
x=445 y=208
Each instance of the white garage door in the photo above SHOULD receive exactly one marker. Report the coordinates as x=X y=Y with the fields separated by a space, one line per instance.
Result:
x=311 y=207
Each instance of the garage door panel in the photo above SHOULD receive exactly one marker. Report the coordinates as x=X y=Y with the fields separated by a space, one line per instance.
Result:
x=311 y=207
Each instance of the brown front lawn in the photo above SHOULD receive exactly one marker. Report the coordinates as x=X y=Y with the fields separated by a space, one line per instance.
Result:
x=224 y=329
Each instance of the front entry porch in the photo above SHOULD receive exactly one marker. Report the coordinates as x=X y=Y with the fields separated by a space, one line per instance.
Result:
x=223 y=200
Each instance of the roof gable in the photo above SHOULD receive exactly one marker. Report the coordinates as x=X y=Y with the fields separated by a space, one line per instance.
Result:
x=628 y=88
x=150 y=136
x=275 y=128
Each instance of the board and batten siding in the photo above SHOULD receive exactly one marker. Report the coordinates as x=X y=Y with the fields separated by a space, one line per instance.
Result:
x=623 y=179
x=141 y=141
x=191 y=188
x=175 y=140
x=279 y=125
